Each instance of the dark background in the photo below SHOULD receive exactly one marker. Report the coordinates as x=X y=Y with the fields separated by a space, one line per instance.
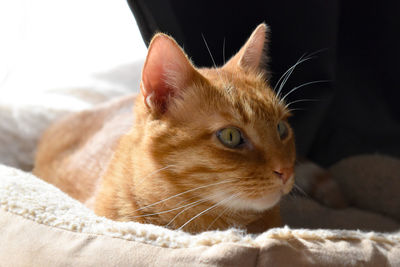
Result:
x=356 y=113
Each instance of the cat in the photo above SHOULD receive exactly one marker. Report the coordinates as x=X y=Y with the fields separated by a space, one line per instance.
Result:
x=198 y=149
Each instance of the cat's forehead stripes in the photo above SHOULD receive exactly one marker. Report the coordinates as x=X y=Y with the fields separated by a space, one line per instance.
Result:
x=248 y=95
x=255 y=102
x=252 y=107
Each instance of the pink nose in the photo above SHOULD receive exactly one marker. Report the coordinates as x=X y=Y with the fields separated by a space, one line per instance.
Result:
x=284 y=173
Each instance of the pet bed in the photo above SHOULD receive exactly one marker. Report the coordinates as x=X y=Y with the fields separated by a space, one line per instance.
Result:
x=42 y=226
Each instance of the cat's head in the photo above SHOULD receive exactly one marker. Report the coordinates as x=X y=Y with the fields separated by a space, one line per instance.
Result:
x=221 y=130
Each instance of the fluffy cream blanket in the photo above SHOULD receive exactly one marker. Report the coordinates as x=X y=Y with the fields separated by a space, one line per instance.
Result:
x=42 y=226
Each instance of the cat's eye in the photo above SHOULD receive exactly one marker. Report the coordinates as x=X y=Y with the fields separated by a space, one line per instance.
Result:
x=230 y=137
x=283 y=130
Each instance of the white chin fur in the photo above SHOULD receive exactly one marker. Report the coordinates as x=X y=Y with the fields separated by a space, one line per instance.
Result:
x=258 y=204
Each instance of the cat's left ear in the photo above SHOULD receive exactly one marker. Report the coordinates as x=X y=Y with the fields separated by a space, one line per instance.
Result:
x=166 y=72
x=253 y=54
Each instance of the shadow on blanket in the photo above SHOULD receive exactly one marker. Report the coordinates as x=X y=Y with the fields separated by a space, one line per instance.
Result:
x=371 y=184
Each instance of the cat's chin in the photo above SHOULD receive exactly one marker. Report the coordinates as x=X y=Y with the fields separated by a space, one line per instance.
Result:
x=257 y=204
x=254 y=204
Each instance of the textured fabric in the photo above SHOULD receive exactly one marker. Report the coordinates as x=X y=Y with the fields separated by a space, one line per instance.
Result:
x=48 y=246
x=26 y=243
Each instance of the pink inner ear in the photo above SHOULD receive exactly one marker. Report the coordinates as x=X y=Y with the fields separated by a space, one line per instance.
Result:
x=166 y=71
x=253 y=54
x=154 y=88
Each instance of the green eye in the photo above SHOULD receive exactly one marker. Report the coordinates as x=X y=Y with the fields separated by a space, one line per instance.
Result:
x=230 y=137
x=282 y=130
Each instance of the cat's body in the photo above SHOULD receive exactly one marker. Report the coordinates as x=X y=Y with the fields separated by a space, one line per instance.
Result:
x=75 y=151
x=207 y=149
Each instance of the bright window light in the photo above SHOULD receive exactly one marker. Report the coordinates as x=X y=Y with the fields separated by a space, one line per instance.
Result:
x=48 y=44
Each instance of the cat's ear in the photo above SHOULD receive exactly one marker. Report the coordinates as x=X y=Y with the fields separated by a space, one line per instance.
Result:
x=253 y=54
x=167 y=70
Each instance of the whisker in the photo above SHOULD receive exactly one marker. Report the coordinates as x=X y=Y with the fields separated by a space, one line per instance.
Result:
x=206 y=210
x=186 y=200
x=295 y=109
x=301 y=100
x=292 y=197
x=299 y=61
x=298 y=188
x=154 y=172
x=295 y=201
x=166 y=211
x=289 y=74
x=212 y=58
x=176 y=216
x=285 y=73
x=219 y=216
x=185 y=192
x=292 y=193
x=300 y=86
x=318 y=51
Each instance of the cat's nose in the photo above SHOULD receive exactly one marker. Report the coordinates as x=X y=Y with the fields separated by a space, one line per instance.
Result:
x=284 y=173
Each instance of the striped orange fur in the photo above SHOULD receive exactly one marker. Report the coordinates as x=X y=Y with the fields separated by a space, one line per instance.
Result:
x=156 y=158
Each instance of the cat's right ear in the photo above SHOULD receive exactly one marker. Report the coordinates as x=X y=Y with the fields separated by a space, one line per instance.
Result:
x=253 y=54
x=167 y=70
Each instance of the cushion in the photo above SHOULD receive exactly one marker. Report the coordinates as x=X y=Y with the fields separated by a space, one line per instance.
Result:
x=41 y=226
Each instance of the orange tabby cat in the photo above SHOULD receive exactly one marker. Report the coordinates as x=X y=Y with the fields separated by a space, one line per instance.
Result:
x=198 y=149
